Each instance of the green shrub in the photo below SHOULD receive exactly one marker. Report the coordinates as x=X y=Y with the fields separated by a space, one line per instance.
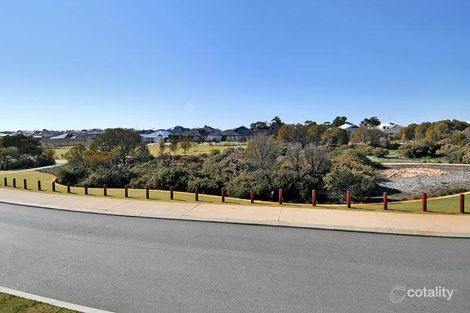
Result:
x=342 y=179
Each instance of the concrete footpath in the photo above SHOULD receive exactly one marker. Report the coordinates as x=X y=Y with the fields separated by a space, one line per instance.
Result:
x=440 y=225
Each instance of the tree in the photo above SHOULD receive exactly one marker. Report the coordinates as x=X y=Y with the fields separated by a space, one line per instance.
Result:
x=368 y=136
x=185 y=144
x=174 y=143
x=315 y=132
x=262 y=152
x=124 y=142
x=370 y=122
x=8 y=155
x=338 y=121
x=335 y=137
x=25 y=145
x=259 y=125
x=277 y=121
x=161 y=146
x=292 y=134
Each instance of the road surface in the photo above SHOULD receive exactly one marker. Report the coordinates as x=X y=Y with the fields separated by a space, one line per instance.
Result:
x=127 y=264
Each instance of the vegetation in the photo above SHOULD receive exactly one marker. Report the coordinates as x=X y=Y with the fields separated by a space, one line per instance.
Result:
x=296 y=162
x=448 y=139
x=13 y=304
x=21 y=152
x=448 y=204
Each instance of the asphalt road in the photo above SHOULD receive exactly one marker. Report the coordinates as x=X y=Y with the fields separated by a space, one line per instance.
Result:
x=127 y=264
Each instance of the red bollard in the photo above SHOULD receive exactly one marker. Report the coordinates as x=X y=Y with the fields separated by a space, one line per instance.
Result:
x=147 y=192
x=385 y=201
x=126 y=191
x=196 y=194
x=348 y=199
x=252 y=195
x=280 y=195
x=39 y=185
x=25 y=184
x=462 y=203
x=171 y=193
x=53 y=186
x=105 y=190
x=314 y=197
x=222 y=193
x=425 y=201
x=68 y=187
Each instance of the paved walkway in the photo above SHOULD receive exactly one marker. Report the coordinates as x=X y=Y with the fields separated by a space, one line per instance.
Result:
x=57 y=164
x=379 y=222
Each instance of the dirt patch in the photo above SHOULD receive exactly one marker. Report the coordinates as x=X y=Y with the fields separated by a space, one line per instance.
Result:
x=409 y=181
x=413 y=172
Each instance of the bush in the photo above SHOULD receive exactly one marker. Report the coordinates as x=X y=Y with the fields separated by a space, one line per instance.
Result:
x=419 y=149
x=343 y=179
x=112 y=177
x=71 y=174
x=380 y=152
x=454 y=153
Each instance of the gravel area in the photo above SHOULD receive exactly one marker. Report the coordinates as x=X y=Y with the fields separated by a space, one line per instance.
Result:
x=450 y=179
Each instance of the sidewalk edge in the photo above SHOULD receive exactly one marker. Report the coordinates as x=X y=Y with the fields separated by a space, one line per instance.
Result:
x=386 y=231
x=57 y=303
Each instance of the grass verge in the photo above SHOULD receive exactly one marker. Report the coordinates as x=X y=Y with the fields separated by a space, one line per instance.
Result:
x=196 y=149
x=13 y=304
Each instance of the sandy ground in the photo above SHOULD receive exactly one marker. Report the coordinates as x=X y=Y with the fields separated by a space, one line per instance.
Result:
x=450 y=179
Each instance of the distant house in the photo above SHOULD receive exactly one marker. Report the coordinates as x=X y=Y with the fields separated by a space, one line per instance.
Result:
x=389 y=128
x=206 y=130
x=231 y=135
x=155 y=136
x=246 y=133
x=177 y=130
x=66 y=135
x=349 y=127
x=192 y=134
x=214 y=136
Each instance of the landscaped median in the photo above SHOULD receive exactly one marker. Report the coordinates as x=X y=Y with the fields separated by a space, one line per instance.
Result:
x=446 y=204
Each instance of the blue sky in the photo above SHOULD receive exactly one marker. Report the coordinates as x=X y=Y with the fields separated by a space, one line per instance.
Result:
x=148 y=64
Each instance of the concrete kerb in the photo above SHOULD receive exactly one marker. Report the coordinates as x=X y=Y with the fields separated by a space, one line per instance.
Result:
x=57 y=303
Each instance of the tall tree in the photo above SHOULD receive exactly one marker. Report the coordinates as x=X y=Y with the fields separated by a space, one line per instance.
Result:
x=338 y=121
x=371 y=122
x=124 y=142
x=186 y=144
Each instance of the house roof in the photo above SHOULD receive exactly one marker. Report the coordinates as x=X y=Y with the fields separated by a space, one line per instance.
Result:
x=215 y=133
x=242 y=130
x=155 y=134
x=389 y=128
x=230 y=132
x=191 y=132
x=348 y=126
x=62 y=136
x=178 y=129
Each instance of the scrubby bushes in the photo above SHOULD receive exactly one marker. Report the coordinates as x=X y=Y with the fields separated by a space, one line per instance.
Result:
x=419 y=149
x=265 y=166
x=21 y=152
x=352 y=171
